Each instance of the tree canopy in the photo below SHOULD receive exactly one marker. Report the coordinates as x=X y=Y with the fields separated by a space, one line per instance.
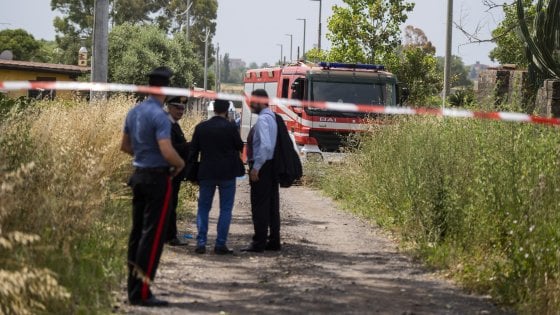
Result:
x=418 y=70
x=226 y=70
x=75 y=27
x=415 y=64
x=459 y=72
x=22 y=44
x=366 y=30
x=137 y=49
x=415 y=37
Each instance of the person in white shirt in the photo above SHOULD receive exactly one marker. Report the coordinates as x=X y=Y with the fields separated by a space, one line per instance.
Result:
x=265 y=195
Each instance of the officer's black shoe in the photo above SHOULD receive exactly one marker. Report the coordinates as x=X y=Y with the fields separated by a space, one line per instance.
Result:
x=273 y=247
x=177 y=242
x=150 y=302
x=200 y=250
x=222 y=250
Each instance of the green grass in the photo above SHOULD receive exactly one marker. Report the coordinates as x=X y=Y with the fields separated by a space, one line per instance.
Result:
x=478 y=198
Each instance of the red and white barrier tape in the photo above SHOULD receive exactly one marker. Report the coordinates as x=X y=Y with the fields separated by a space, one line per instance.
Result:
x=344 y=107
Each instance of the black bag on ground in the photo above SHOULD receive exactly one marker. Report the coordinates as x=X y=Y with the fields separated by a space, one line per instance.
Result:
x=286 y=160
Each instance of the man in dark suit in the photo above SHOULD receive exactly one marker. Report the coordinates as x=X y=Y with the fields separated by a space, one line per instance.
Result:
x=218 y=143
x=176 y=109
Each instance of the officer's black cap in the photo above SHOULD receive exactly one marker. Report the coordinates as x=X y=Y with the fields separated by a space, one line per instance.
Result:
x=179 y=100
x=160 y=76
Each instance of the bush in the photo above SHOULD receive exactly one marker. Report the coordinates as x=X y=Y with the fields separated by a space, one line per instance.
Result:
x=462 y=98
x=476 y=197
x=65 y=207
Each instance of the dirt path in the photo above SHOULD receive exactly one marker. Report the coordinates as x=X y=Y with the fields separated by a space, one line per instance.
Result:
x=331 y=263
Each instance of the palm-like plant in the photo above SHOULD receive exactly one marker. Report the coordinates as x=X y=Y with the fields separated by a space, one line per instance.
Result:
x=543 y=42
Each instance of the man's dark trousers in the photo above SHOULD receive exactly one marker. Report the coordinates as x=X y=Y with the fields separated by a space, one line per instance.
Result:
x=151 y=201
x=172 y=225
x=265 y=207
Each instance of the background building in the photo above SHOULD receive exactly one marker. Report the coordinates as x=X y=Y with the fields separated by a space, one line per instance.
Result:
x=14 y=70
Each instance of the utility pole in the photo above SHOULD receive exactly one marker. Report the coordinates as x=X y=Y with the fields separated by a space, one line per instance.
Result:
x=188 y=25
x=217 y=79
x=291 y=46
x=100 y=62
x=448 y=56
x=320 y=23
x=206 y=38
x=281 y=53
x=219 y=89
x=304 y=35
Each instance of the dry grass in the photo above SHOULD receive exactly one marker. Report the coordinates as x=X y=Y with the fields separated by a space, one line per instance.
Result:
x=64 y=214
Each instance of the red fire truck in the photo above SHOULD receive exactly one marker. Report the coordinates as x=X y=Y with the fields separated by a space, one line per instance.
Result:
x=318 y=131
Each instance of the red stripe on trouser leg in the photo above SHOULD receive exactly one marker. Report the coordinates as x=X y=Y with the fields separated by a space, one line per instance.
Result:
x=157 y=237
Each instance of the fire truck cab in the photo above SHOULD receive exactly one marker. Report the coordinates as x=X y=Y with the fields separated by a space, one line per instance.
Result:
x=316 y=131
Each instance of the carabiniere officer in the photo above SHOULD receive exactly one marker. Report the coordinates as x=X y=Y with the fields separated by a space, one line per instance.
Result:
x=147 y=137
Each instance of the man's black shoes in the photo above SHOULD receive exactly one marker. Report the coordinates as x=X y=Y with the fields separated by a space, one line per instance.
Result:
x=222 y=250
x=257 y=249
x=176 y=242
x=200 y=250
x=253 y=249
x=273 y=247
x=150 y=302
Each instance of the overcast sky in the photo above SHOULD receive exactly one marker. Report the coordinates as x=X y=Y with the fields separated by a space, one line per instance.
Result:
x=251 y=29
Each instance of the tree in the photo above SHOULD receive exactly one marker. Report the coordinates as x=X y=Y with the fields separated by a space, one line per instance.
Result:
x=510 y=48
x=459 y=72
x=415 y=64
x=366 y=30
x=203 y=15
x=416 y=37
x=236 y=75
x=50 y=52
x=417 y=68
x=134 y=11
x=253 y=65
x=317 y=55
x=75 y=27
x=137 y=49
x=225 y=68
x=22 y=44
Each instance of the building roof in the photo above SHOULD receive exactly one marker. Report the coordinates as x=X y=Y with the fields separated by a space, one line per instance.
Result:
x=43 y=67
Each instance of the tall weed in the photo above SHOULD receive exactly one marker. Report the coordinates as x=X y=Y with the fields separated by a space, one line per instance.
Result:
x=479 y=198
x=64 y=211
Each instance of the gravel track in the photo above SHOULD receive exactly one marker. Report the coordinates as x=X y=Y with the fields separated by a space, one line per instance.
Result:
x=331 y=263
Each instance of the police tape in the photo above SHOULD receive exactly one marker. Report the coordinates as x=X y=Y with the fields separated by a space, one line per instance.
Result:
x=333 y=106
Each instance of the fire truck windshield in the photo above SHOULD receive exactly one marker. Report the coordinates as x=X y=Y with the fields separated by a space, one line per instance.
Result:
x=364 y=93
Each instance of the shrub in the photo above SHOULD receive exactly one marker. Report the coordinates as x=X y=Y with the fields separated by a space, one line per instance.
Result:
x=462 y=98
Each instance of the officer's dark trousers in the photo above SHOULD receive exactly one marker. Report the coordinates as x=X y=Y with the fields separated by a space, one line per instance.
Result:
x=172 y=225
x=265 y=207
x=151 y=201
